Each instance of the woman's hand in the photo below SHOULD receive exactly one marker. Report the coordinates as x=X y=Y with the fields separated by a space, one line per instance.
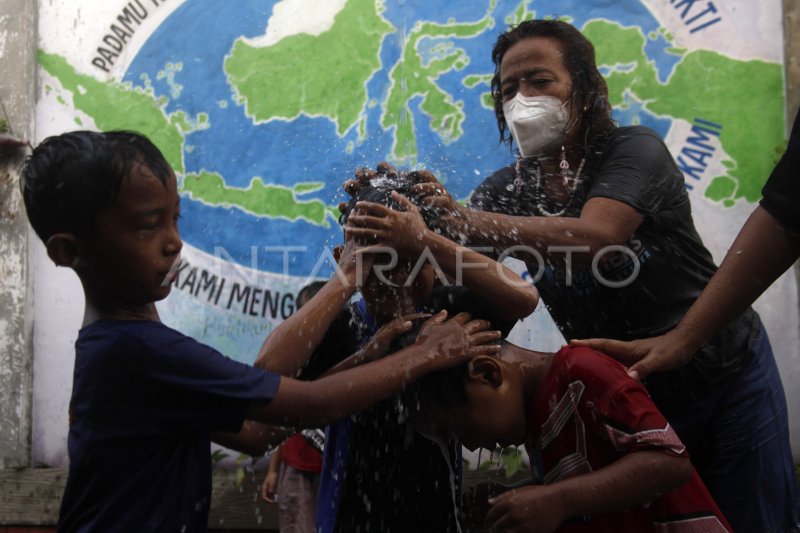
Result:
x=434 y=193
x=362 y=177
x=376 y=224
x=453 y=218
x=644 y=356
x=459 y=339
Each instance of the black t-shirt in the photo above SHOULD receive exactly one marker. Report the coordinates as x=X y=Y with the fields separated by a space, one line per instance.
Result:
x=379 y=474
x=145 y=399
x=781 y=193
x=634 y=167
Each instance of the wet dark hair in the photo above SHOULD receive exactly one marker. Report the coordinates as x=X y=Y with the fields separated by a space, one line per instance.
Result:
x=589 y=89
x=379 y=190
x=308 y=291
x=71 y=177
x=429 y=396
x=442 y=389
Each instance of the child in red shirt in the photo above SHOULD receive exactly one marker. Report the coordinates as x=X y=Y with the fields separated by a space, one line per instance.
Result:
x=603 y=457
x=294 y=468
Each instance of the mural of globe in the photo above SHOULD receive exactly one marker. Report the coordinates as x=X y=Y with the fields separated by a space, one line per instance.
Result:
x=265 y=108
x=288 y=122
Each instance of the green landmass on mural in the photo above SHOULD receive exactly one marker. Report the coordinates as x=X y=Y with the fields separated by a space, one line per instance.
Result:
x=474 y=80
x=331 y=78
x=721 y=90
x=260 y=199
x=411 y=77
x=115 y=106
x=331 y=81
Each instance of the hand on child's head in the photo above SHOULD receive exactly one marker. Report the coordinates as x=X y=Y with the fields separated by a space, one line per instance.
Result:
x=458 y=339
x=363 y=176
x=392 y=336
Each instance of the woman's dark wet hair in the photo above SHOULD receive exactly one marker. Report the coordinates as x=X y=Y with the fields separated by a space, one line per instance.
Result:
x=589 y=89
x=71 y=177
x=379 y=190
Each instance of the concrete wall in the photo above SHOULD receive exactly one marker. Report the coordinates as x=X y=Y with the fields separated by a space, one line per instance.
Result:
x=17 y=91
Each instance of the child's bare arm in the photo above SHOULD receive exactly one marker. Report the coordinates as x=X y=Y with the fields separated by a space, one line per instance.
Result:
x=253 y=439
x=637 y=478
x=439 y=345
x=377 y=346
x=256 y=438
x=406 y=232
x=269 y=488
x=288 y=347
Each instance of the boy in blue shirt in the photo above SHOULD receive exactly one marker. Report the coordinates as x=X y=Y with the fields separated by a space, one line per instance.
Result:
x=147 y=400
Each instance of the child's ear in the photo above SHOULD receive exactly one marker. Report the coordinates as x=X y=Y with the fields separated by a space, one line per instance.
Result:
x=65 y=250
x=486 y=369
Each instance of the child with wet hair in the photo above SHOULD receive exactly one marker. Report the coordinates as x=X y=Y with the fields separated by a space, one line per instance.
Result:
x=379 y=188
x=378 y=473
x=603 y=458
x=147 y=400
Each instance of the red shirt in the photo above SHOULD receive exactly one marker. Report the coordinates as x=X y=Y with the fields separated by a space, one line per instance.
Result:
x=587 y=414
x=301 y=455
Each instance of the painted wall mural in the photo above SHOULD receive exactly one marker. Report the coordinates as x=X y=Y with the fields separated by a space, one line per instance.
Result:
x=264 y=108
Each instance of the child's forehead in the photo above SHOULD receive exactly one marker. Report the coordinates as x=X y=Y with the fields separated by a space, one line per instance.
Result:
x=142 y=188
x=139 y=168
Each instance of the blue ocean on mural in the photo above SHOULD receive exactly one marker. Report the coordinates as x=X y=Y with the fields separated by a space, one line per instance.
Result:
x=308 y=149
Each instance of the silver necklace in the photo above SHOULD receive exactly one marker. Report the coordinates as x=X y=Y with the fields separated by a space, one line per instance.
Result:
x=539 y=204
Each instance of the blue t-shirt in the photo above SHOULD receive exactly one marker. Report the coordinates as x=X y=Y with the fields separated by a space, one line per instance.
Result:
x=145 y=399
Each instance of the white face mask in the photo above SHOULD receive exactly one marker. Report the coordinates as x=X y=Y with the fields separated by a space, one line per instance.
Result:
x=536 y=122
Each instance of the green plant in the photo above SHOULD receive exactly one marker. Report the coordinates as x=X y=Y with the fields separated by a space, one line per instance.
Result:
x=244 y=465
x=217 y=456
x=510 y=460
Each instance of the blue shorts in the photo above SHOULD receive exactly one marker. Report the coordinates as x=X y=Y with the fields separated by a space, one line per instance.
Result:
x=738 y=440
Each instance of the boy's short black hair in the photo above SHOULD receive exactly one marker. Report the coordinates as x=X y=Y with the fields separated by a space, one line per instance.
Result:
x=435 y=392
x=440 y=390
x=379 y=190
x=70 y=177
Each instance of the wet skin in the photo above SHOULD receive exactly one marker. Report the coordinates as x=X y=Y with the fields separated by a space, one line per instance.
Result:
x=134 y=244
